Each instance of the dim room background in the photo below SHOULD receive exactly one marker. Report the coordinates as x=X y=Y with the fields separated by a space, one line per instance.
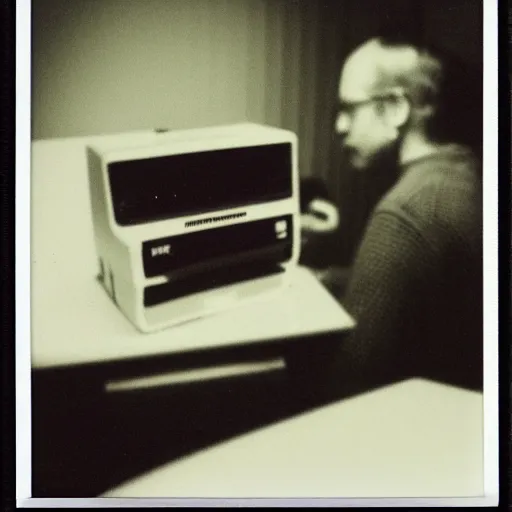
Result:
x=106 y=66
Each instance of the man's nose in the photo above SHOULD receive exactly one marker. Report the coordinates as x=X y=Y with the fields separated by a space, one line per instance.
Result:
x=342 y=124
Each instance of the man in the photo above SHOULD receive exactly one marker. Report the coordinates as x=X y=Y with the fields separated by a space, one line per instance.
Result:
x=416 y=284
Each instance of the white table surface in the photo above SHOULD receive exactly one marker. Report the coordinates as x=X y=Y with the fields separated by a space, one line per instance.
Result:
x=73 y=320
x=412 y=439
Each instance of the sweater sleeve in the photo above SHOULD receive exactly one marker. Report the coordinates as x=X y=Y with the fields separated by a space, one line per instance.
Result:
x=391 y=275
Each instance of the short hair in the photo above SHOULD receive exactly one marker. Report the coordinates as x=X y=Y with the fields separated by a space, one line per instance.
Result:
x=435 y=77
x=417 y=70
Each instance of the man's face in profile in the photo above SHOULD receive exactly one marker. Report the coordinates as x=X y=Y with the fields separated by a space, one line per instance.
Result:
x=366 y=136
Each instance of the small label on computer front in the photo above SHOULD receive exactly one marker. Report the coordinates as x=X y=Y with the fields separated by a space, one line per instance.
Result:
x=161 y=250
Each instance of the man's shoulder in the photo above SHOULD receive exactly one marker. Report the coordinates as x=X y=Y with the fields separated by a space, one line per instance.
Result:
x=440 y=188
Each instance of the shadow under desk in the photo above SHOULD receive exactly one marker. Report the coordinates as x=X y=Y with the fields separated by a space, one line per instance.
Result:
x=94 y=426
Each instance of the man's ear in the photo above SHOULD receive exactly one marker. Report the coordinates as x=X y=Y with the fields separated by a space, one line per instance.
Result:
x=398 y=111
x=398 y=108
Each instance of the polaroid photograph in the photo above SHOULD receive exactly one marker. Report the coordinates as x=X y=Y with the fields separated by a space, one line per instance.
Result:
x=260 y=261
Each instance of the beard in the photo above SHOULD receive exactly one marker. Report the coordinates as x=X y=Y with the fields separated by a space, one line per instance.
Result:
x=384 y=160
x=378 y=174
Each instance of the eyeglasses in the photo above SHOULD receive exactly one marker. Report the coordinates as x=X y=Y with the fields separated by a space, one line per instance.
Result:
x=349 y=108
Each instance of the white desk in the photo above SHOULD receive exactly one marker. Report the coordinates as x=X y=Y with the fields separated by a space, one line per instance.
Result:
x=73 y=320
x=412 y=439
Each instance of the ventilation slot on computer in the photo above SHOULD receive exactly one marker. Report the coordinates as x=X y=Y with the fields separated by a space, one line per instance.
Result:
x=210 y=220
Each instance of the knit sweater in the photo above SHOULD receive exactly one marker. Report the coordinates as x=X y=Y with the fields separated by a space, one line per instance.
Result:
x=416 y=286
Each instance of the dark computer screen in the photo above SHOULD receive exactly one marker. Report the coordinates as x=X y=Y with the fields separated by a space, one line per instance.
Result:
x=172 y=186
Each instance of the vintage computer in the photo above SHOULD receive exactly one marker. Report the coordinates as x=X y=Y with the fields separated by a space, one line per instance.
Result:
x=191 y=222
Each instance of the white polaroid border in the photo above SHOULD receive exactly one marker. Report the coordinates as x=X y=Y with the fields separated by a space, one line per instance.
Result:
x=23 y=253
x=23 y=294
